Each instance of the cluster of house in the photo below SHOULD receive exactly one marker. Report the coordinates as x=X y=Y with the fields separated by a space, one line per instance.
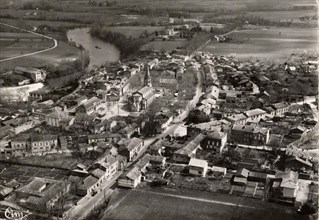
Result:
x=22 y=76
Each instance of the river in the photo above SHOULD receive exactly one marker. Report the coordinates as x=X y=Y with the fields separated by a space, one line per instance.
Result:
x=100 y=51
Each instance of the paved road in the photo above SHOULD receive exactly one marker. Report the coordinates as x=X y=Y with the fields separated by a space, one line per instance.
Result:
x=33 y=53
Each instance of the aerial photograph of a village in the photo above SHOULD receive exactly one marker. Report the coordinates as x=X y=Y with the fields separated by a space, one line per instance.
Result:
x=159 y=109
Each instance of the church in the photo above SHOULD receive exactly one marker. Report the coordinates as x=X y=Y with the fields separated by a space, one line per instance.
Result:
x=141 y=99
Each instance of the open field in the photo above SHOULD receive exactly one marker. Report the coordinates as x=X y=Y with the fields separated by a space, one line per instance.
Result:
x=64 y=51
x=166 y=204
x=269 y=43
x=164 y=45
x=283 y=15
x=15 y=44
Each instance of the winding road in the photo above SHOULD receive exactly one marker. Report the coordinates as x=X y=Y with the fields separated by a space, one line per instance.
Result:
x=33 y=53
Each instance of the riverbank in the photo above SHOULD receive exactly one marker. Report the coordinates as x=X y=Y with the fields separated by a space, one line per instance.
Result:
x=126 y=45
x=98 y=50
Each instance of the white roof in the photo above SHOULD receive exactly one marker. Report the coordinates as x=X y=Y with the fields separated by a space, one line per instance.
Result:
x=198 y=163
x=219 y=169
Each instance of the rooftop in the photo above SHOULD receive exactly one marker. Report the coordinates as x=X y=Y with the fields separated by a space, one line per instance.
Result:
x=250 y=129
x=197 y=163
x=254 y=112
x=191 y=146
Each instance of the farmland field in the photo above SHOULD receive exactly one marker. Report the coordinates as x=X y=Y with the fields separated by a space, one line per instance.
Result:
x=268 y=43
x=63 y=52
x=164 y=45
x=163 y=204
x=283 y=15
x=15 y=44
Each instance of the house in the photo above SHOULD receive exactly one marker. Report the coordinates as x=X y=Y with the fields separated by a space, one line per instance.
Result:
x=81 y=100
x=270 y=111
x=104 y=168
x=296 y=163
x=184 y=154
x=280 y=108
x=218 y=171
x=20 y=145
x=157 y=147
x=249 y=134
x=41 y=144
x=90 y=106
x=127 y=131
x=215 y=140
x=241 y=181
x=54 y=118
x=255 y=114
x=242 y=172
x=88 y=186
x=238 y=119
x=204 y=128
x=83 y=121
x=131 y=148
x=257 y=177
x=198 y=167
x=39 y=94
x=20 y=124
x=96 y=138
x=288 y=183
x=41 y=194
x=157 y=160
x=36 y=75
x=5 y=191
x=96 y=127
x=130 y=179
x=297 y=132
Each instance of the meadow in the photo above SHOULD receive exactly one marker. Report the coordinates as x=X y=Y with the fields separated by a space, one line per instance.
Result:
x=271 y=42
x=163 y=204
x=160 y=45
x=15 y=44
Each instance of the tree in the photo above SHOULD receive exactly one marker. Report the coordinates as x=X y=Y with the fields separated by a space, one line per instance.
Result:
x=308 y=208
x=196 y=116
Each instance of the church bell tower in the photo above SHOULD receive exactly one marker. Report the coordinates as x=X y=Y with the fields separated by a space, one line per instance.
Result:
x=147 y=77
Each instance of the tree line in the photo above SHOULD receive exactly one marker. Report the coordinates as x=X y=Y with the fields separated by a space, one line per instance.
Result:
x=126 y=45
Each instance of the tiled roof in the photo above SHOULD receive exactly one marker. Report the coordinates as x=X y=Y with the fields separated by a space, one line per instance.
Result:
x=197 y=163
x=250 y=129
x=133 y=174
x=255 y=112
x=44 y=137
x=191 y=146
x=216 y=134
x=98 y=173
x=289 y=179
x=236 y=117
x=145 y=90
x=90 y=181
x=279 y=105
x=133 y=143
